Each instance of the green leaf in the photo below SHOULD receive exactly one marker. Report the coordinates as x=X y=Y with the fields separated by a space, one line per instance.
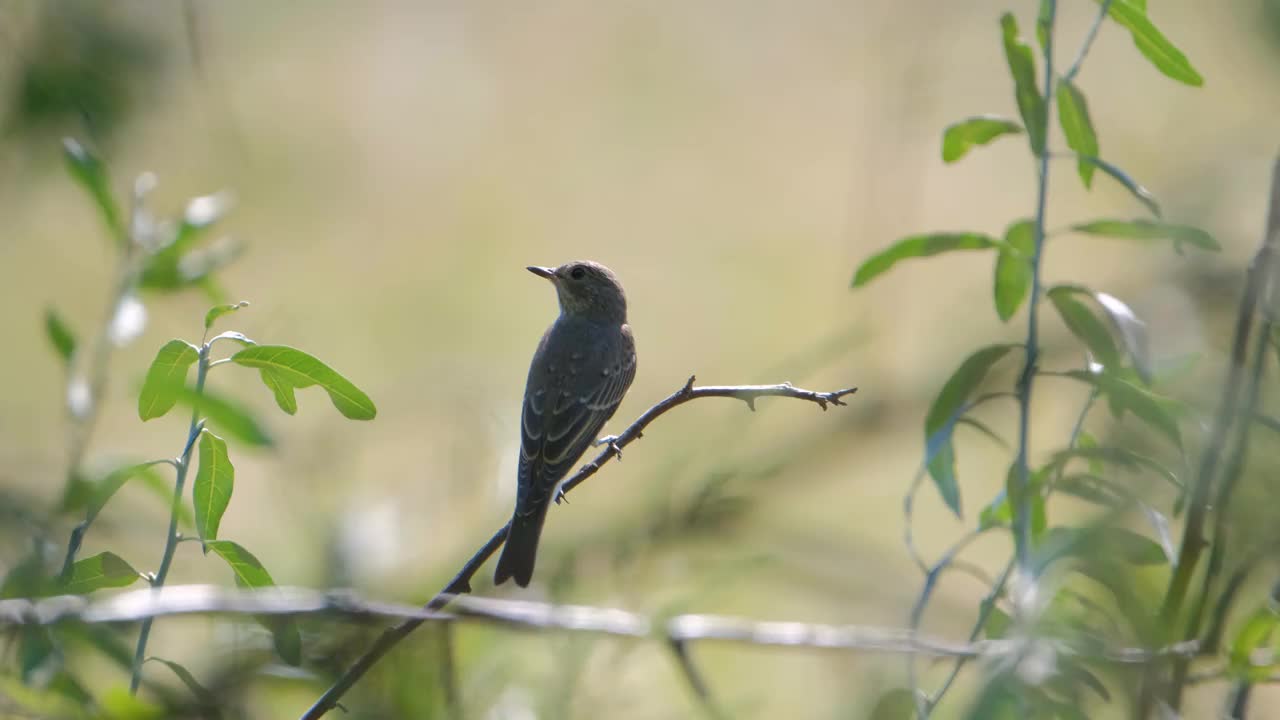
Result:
x=250 y=573
x=1073 y=115
x=103 y=490
x=1097 y=337
x=248 y=570
x=1089 y=543
x=24 y=700
x=118 y=703
x=1084 y=324
x=161 y=488
x=165 y=378
x=280 y=389
x=300 y=370
x=88 y=170
x=1022 y=66
x=984 y=429
x=60 y=335
x=896 y=704
x=920 y=246
x=1164 y=55
x=1117 y=456
x=1143 y=195
x=1014 y=267
x=104 y=570
x=1158 y=412
x=946 y=409
x=177 y=265
x=997 y=624
x=227 y=416
x=199 y=691
x=1252 y=644
x=997 y=513
x=1148 y=230
x=215 y=480
x=219 y=310
x=962 y=136
x=1091 y=488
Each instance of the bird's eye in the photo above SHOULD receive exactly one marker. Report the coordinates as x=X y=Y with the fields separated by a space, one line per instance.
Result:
x=577 y=273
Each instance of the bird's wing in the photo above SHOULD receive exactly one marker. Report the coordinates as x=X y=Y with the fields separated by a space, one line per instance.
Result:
x=557 y=425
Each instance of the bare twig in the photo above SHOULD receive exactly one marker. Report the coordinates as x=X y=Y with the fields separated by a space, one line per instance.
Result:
x=681 y=630
x=461 y=582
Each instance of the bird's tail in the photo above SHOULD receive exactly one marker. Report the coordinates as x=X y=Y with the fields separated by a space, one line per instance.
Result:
x=521 y=549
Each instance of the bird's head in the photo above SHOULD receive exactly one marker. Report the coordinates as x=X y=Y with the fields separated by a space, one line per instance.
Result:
x=587 y=289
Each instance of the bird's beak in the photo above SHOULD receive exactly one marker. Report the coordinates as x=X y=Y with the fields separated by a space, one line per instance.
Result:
x=546 y=272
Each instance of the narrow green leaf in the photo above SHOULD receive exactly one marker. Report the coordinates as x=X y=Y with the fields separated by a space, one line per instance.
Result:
x=1013 y=268
x=300 y=370
x=1158 y=412
x=37 y=653
x=104 y=570
x=215 y=480
x=117 y=703
x=948 y=407
x=1255 y=635
x=920 y=246
x=896 y=704
x=984 y=429
x=233 y=336
x=1152 y=43
x=250 y=573
x=227 y=416
x=1073 y=115
x=1160 y=524
x=281 y=389
x=88 y=170
x=997 y=513
x=1148 y=230
x=1121 y=319
x=165 y=378
x=1091 y=488
x=1082 y=323
x=60 y=335
x=1117 y=456
x=1143 y=195
x=161 y=488
x=197 y=690
x=219 y=310
x=1090 y=543
x=960 y=137
x=1022 y=66
x=104 y=489
x=248 y=570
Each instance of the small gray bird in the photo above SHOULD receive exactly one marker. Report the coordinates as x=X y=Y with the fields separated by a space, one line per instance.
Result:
x=582 y=368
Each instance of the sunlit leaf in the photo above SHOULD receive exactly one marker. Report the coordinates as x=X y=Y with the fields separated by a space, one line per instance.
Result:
x=1160 y=524
x=963 y=136
x=88 y=170
x=60 y=335
x=215 y=481
x=218 y=311
x=1150 y=230
x=1013 y=268
x=920 y=246
x=165 y=378
x=1022 y=66
x=1251 y=655
x=104 y=570
x=118 y=703
x=1143 y=195
x=1077 y=128
x=1116 y=542
x=947 y=407
x=1164 y=55
x=103 y=490
x=300 y=370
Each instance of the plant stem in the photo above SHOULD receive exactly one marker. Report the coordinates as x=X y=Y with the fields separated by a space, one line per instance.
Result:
x=1088 y=41
x=1022 y=506
x=171 y=543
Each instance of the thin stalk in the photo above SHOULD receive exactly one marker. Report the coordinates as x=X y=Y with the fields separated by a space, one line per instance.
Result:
x=1088 y=41
x=171 y=543
x=1022 y=506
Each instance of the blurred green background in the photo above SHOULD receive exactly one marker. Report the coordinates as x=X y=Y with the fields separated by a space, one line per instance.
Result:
x=397 y=164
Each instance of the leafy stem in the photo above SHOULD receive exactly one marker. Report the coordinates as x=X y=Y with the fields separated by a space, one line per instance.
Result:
x=171 y=542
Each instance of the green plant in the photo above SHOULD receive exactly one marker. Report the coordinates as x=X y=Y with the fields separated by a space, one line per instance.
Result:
x=1050 y=586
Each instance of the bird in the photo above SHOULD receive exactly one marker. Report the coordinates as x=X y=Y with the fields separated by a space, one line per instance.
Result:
x=580 y=372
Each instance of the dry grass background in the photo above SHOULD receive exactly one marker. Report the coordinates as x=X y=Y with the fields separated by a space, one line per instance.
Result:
x=398 y=164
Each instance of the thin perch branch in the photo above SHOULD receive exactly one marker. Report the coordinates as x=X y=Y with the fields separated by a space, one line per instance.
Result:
x=679 y=630
x=461 y=583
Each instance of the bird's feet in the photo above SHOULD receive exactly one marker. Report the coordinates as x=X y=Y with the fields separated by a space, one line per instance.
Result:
x=612 y=442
